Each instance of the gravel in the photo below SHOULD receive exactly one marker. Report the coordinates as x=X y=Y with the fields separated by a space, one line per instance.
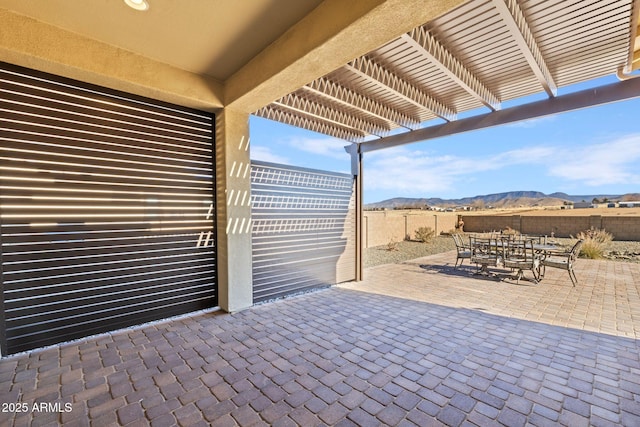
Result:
x=407 y=250
x=617 y=250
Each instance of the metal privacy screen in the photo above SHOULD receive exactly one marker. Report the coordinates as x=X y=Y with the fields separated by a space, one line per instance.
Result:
x=107 y=216
x=303 y=229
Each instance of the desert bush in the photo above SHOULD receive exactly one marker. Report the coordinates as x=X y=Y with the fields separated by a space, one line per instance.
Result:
x=510 y=231
x=595 y=242
x=425 y=234
x=591 y=250
x=392 y=244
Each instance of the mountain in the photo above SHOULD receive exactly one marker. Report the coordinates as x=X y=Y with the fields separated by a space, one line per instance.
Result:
x=500 y=200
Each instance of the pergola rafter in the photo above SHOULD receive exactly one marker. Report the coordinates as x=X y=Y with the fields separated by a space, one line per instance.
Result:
x=401 y=88
x=438 y=55
x=515 y=20
x=274 y=112
x=325 y=88
x=323 y=113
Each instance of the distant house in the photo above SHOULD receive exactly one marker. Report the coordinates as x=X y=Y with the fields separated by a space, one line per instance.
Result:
x=630 y=204
x=582 y=205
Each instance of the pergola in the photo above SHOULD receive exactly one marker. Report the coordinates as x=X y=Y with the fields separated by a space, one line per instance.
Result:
x=376 y=73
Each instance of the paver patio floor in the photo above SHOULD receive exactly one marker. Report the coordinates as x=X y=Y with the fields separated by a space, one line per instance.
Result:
x=606 y=299
x=454 y=350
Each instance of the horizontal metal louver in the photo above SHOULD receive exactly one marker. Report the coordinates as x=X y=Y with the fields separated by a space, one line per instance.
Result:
x=106 y=213
x=303 y=229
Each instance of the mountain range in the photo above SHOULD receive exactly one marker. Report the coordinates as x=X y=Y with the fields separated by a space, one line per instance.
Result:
x=499 y=200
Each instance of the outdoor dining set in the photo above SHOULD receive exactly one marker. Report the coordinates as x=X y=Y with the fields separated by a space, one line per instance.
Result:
x=517 y=253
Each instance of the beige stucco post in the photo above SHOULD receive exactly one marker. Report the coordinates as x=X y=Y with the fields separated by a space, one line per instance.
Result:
x=233 y=201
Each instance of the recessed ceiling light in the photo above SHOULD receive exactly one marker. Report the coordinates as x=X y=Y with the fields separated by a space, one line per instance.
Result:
x=137 y=4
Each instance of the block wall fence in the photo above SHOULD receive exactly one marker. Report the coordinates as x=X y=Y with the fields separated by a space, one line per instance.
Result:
x=622 y=227
x=380 y=227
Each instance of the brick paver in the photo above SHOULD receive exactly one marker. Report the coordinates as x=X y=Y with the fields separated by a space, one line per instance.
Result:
x=413 y=344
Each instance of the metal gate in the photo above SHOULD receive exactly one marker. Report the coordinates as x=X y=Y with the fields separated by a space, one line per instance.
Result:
x=106 y=212
x=303 y=229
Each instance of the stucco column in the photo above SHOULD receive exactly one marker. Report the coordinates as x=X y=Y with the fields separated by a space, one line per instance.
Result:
x=233 y=202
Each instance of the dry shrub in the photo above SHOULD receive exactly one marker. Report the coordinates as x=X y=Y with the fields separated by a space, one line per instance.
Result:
x=425 y=234
x=392 y=245
x=595 y=242
x=510 y=231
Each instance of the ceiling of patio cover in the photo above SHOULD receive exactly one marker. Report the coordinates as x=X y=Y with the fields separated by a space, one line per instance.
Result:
x=471 y=59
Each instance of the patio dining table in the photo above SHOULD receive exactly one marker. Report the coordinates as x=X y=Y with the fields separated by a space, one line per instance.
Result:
x=505 y=252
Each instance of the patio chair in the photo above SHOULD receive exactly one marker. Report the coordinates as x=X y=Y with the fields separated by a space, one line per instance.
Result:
x=519 y=256
x=463 y=250
x=485 y=253
x=562 y=260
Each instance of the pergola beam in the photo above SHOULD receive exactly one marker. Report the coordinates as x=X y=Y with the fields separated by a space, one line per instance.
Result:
x=620 y=91
x=513 y=17
x=439 y=56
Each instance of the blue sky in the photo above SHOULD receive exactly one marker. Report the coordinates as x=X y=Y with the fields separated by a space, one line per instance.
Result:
x=591 y=151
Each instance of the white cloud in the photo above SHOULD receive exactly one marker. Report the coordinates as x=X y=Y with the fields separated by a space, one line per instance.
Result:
x=322 y=146
x=527 y=124
x=266 y=155
x=404 y=170
x=614 y=162
x=535 y=154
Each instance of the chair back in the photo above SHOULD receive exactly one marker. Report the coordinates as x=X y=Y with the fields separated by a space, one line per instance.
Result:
x=519 y=253
x=575 y=251
x=483 y=245
x=459 y=240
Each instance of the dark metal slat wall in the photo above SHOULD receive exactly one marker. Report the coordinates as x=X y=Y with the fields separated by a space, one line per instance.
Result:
x=106 y=213
x=303 y=229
